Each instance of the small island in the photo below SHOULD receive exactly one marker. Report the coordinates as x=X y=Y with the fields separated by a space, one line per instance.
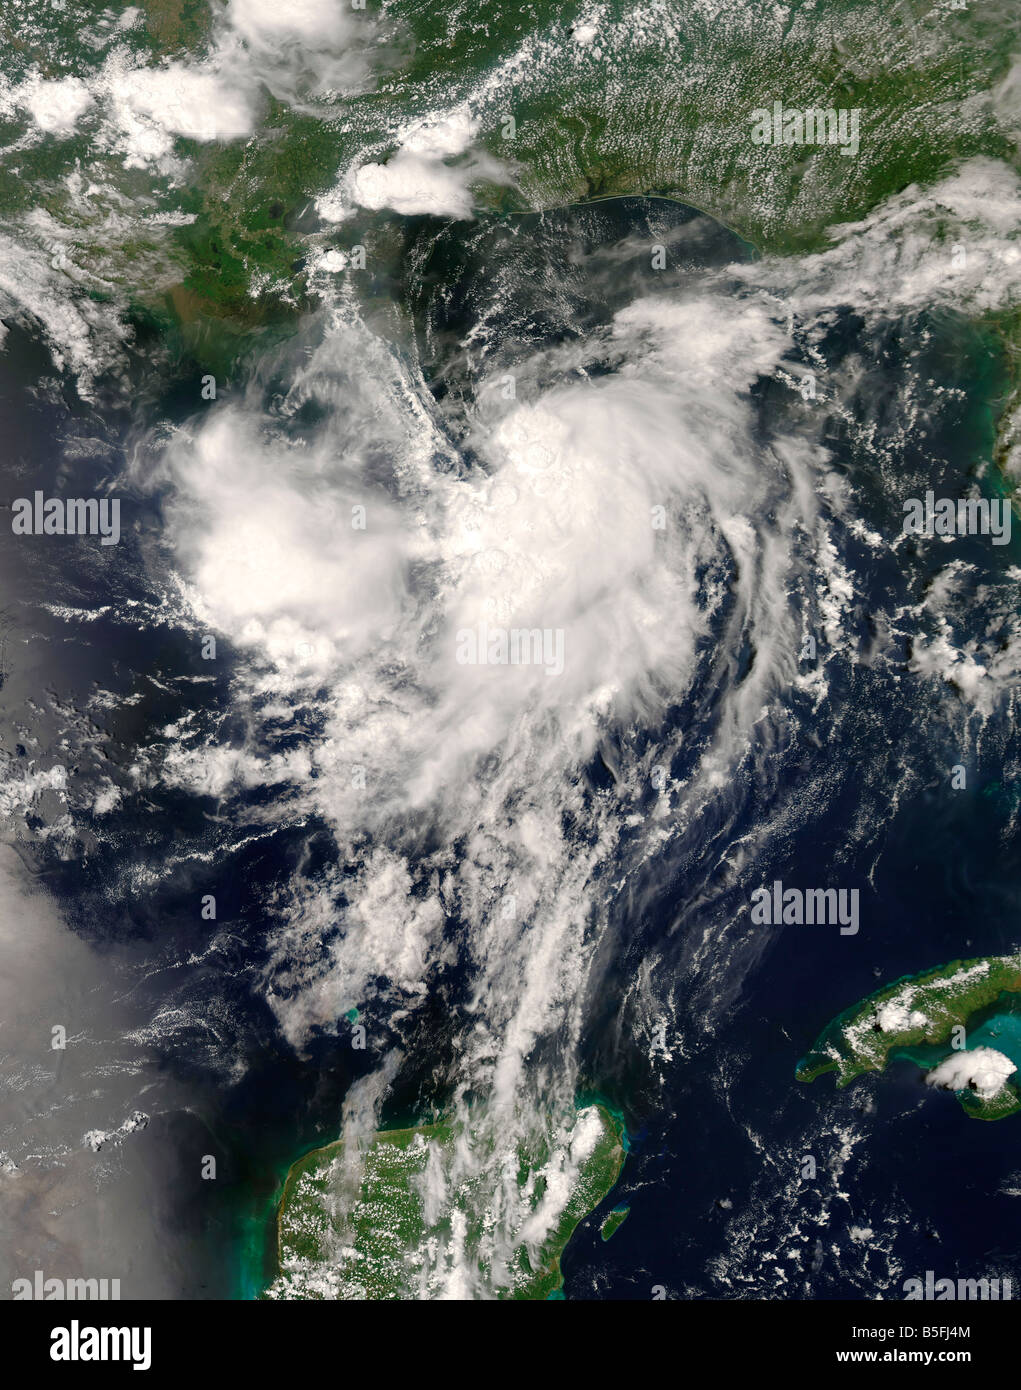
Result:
x=960 y=1022
x=614 y=1221
x=358 y=1225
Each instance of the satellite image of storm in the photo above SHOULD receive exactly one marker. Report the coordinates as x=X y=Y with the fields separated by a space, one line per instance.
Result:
x=510 y=642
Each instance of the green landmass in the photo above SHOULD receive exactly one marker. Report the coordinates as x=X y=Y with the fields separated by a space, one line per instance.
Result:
x=915 y=1017
x=357 y=1225
x=655 y=99
x=659 y=102
x=997 y=1107
x=614 y=1221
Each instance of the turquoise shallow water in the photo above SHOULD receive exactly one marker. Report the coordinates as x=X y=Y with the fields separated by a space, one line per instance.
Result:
x=1002 y=1032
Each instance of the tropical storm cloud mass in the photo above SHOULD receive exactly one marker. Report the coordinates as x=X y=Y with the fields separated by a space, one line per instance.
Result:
x=509 y=651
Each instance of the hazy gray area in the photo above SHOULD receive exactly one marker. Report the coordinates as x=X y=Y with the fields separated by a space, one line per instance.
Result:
x=66 y=1207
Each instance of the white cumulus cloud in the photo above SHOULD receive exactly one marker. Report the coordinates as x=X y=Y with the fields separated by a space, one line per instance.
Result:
x=982 y=1069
